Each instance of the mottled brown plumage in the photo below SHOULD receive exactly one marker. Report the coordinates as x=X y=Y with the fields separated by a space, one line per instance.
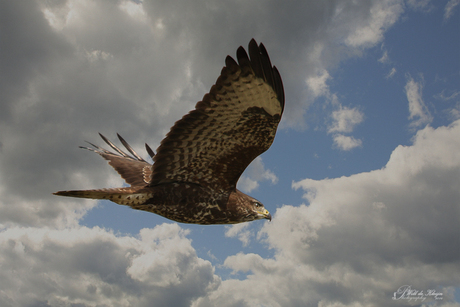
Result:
x=197 y=165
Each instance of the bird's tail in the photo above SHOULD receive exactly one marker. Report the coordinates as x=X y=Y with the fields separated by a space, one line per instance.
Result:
x=124 y=196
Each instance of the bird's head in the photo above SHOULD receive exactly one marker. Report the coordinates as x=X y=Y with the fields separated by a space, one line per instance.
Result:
x=246 y=208
x=260 y=210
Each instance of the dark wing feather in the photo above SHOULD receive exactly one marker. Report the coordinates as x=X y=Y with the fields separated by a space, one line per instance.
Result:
x=233 y=124
x=149 y=151
x=134 y=170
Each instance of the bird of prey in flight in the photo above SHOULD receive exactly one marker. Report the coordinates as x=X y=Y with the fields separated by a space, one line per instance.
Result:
x=197 y=165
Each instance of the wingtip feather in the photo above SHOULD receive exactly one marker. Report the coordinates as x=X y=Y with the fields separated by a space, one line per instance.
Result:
x=149 y=151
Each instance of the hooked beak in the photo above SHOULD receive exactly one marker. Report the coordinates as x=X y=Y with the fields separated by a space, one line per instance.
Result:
x=267 y=215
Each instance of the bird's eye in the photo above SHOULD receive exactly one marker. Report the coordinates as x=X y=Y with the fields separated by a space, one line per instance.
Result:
x=258 y=205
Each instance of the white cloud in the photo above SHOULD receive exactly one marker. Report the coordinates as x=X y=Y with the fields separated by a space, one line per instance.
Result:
x=362 y=237
x=135 y=10
x=418 y=111
x=449 y=8
x=345 y=119
x=345 y=142
x=246 y=184
x=91 y=266
x=369 y=31
x=317 y=84
x=255 y=173
x=240 y=231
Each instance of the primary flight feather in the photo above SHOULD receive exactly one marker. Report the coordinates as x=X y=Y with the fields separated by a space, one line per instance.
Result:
x=197 y=165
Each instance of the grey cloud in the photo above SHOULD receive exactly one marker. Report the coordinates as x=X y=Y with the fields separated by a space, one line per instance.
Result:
x=74 y=68
x=27 y=48
x=93 y=266
x=99 y=69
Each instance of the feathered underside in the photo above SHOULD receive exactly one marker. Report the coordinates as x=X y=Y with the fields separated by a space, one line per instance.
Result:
x=233 y=124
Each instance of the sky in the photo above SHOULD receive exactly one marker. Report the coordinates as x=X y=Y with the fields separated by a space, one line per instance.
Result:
x=362 y=180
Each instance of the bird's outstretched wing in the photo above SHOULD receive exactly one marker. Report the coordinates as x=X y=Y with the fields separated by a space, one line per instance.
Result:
x=233 y=124
x=133 y=169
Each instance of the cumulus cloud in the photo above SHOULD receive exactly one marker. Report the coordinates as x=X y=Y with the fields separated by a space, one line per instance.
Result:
x=345 y=119
x=362 y=237
x=255 y=173
x=418 y=111
x=70 y=69
x=345 y=142
x=317 y=84
x=91 y=266
x=369 y=30
x=75 y=68
x=240 y=231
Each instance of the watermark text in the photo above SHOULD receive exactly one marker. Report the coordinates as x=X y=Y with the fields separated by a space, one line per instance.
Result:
x=406 y=292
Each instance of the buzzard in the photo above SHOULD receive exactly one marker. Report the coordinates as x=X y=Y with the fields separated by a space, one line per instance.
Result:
x=197 y=165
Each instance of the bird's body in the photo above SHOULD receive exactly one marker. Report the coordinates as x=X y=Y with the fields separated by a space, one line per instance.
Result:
x=197 y=165
x=181 y=202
